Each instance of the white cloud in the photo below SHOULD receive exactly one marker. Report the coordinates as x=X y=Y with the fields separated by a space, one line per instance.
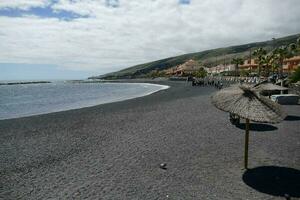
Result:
x=138 y=31
x=23 y=4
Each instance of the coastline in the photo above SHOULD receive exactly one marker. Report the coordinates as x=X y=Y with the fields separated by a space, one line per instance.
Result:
x=88 y=104
x=113 y=151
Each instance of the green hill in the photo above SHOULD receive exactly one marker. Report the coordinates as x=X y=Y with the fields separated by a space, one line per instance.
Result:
x=208 y=58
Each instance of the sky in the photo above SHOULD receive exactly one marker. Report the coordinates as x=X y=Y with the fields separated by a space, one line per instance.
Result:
x=72 y=39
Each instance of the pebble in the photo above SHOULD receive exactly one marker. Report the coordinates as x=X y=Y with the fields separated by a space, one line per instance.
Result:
x=163 y=166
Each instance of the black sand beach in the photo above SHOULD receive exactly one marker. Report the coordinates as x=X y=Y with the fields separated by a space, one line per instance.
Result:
x=113 y=151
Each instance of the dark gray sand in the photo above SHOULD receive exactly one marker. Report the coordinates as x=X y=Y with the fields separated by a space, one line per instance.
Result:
x=114 y=151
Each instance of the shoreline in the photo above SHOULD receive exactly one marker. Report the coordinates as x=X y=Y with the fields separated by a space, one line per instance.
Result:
x=162 y=87
x=113 y=151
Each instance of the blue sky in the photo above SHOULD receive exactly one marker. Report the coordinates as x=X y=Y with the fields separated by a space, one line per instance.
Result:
x=47 y=11
x=184 y=1
x=78 y=38
x=43 y=12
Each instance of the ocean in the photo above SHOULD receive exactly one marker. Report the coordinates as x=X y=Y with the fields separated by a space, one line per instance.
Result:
x=34 y=99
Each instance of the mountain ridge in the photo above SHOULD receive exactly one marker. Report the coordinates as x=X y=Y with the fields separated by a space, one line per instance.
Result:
x=208 y=58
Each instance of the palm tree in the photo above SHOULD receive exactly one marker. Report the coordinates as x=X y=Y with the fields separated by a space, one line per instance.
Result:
x=273 y=62
x=274 y=66
x=280 y=54
x=268 y=61
x=284 y=52
x=295 y=47
x=237 y=62
x=260 y=54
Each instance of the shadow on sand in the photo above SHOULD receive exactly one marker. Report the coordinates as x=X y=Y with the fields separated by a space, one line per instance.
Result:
x=272 y=180
x=257 y=127
x=292 y=118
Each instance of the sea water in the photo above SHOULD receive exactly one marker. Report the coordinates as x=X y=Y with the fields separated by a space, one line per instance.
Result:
x=33 y=99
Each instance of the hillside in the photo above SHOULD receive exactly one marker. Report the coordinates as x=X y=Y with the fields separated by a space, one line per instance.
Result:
x=208 y=58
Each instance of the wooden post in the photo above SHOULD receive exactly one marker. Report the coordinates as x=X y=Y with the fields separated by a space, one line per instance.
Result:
x=246 y=144
x=281 y=84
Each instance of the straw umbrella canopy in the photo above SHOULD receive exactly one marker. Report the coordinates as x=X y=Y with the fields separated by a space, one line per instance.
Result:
x=243 y=101
x=268 y=87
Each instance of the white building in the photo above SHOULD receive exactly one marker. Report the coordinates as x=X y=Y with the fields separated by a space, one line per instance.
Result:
x=220 y=68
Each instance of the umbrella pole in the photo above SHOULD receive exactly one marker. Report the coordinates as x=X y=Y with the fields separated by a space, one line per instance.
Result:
x=246 y=144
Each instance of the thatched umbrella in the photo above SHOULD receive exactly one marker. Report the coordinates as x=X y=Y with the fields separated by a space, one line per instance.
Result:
x=268 y=87
x=243 y=101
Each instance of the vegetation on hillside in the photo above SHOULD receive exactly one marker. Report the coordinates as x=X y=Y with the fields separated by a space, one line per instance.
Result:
x=237 y=62
x=295 y=76
x=210 y=58
x=275 y=58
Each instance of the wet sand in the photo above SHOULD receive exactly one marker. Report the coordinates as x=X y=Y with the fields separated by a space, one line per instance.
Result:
x=113 y=151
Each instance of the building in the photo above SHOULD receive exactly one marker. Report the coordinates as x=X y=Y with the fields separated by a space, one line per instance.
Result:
x=170 y=71
x=291 y=64
x=188 y=67
x=249 y=64
x=220 y=68
x=191 y=66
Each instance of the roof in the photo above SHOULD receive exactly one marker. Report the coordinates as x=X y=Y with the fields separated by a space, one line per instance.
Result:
x=243 y=101
x=295 y=58
x=189 y=65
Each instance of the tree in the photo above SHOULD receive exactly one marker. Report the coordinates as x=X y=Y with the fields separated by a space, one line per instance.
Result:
x=296 y=76
x=237 y=62
x=201 y=73
x=294 y=48
x=268 y=62
x=244 y=72
x=153 y=74
x=162 y=74
x=273 y=64
x=260 y=54
x=280 y=54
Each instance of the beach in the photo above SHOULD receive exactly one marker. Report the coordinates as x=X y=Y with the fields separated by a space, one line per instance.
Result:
x=114 y=151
